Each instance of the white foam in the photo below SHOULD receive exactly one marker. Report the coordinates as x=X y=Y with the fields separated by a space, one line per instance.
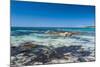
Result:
x=43 y=39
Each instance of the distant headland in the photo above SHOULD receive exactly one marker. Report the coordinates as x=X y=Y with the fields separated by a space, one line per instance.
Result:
x=89 y=26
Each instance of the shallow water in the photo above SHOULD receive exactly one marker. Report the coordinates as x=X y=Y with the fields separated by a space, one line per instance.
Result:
x=61 y=45
x=86 y=37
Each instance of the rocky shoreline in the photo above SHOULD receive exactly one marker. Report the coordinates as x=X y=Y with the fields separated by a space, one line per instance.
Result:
x=62 y=33
x=30 y=53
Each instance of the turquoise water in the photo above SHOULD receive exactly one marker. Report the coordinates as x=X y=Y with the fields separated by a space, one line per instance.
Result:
x=86 y=37
x=53 y=28
x=27 y=30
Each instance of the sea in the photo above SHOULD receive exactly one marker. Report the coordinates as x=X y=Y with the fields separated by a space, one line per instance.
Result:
x=86 y=38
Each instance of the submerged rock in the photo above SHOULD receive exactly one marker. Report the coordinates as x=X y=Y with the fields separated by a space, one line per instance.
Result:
x=29 y=53
x=28 y=45
x=23 y=47
x=81 y=59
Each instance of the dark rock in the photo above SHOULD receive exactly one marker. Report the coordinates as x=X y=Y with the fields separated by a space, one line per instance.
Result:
x=15 y=50
x=81 y=60
x=32 y=53
x=85 y=53
x=24 y=47
x=27 y=45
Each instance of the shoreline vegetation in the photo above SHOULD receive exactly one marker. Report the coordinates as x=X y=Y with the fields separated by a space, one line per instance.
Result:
x=33 y=53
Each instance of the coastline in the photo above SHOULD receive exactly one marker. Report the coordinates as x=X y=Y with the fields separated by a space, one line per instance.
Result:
x=27 y=46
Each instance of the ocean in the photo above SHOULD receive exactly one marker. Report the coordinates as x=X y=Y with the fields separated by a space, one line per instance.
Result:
x=37 y=34
x=48 y=48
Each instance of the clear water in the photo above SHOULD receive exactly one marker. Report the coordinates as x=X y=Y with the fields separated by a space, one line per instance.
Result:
x=86 y=37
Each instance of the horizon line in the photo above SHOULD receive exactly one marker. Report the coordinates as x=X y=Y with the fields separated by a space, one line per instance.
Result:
x=56 y=27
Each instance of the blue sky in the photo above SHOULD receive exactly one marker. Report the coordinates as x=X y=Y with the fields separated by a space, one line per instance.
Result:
x=35 y=14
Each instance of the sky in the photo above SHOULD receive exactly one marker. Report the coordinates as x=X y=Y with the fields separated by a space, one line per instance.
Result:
x=36 y=14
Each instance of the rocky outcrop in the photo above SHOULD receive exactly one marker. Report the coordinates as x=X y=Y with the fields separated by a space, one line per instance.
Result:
x=29 y=53
x=61 y=33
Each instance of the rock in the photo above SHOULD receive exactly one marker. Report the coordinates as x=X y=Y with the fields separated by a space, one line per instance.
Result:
x=85 y=53
x=67 y=55
x=28 y=45
x=29 y=60
x=37 y=63
x=54 y=61
x=61 y=33
x=43 y=54
x=66 y=34
x=23 y=47
x=29 y=53
x=23 y=59
x=81 y=59
x=89 y=59
x=15 y=50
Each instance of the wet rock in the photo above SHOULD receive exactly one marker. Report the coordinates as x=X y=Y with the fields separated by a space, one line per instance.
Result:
x=23 y=48
x=67 y=55
x=85 y=53
x=43 y=54
x=37 y=63
x=64 y=49
x=15 y=50
x=29 y=53
x=61 y=33
x=23 y=59
x=90 y=59
x=28 y=45
x=81 y=60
